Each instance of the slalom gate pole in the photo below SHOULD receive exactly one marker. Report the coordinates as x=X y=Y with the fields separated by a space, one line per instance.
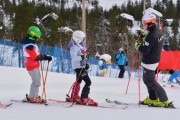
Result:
x=132 y=67
x=139 y=92
x=44 y=82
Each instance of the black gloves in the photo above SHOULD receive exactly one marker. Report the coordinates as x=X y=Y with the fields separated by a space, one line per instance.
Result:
x=43 y=57
x=85 y=56
x=39 y=57
x=47 y=57
x=141 y=33
x=87 y=66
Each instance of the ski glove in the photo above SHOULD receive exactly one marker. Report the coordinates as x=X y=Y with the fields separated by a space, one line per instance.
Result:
x=137 y=44
x=43 y=57
x=47 y=57
x=85 y=56
x=141 y=33
x=39 y=57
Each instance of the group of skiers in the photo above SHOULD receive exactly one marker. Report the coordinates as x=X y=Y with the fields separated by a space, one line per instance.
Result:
x=79 y=56
x=150 y=50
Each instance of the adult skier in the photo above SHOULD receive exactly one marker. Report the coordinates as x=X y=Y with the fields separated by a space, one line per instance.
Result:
x=151 y=50
x=122 y=61
x=79 y=63
x=32 y=58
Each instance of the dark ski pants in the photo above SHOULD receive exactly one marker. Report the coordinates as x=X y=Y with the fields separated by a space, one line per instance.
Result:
x=155 y=90
x=122 y=70
x=81 y=74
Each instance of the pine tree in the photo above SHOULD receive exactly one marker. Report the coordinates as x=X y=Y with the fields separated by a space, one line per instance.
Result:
x=177 y=9
x=23 y=19
x=170 y=10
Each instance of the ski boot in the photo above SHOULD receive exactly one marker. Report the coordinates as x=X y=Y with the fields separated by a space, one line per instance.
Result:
x=165 y=104
x=87 y=101
x=147 y=101
x=37 y=100
x=72 y=99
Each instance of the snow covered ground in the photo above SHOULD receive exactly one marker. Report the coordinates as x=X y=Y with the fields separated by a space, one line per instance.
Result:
x=15 y=83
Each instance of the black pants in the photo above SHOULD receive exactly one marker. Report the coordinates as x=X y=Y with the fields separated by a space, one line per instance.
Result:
x=155 y=90
x=122 y=70
x=81 y=74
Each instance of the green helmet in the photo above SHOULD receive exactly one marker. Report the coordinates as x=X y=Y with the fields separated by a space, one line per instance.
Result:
x=34 y=33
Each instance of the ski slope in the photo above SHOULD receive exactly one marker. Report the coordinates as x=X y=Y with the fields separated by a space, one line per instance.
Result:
x=15 y=83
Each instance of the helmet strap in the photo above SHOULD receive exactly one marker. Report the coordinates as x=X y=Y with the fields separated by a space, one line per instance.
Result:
x=31 y=38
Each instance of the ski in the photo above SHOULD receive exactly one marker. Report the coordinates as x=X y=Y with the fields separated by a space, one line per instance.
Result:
x=99 y=106
x=25 y=101
x=171 y=105
x=119 y=103
x=116 y=102
x=5 y=105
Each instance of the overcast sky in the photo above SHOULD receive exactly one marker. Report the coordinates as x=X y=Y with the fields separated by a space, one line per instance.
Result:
x=109 y=3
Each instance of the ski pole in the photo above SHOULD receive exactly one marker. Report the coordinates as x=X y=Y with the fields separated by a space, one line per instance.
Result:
x=44 y=81
x=132 y=67
x=163 y=76
x=139 y=78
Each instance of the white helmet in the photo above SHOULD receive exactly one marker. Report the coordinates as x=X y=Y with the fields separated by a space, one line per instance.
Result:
x=78 y=36
x=149 y=18
x=121 y=49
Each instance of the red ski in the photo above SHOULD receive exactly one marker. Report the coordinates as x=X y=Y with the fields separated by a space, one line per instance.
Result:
x=99 y=106
x=5 y=105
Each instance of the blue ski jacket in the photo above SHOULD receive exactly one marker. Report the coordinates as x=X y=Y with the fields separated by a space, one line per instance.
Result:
x=121 y=58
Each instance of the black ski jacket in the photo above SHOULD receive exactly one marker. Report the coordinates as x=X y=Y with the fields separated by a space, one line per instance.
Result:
x=152 y=46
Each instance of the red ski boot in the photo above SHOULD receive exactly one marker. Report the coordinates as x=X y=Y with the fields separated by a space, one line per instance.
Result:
x=38 y=100
x=87 y=101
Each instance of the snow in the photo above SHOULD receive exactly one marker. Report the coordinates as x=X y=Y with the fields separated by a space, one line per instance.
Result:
x=15 y=83
x=169 y=21
x=127 y=16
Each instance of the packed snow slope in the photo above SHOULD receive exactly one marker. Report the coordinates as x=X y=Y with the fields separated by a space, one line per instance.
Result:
x=15 y=83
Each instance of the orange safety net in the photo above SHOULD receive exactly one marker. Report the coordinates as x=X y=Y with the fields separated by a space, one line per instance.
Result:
x=169 y=60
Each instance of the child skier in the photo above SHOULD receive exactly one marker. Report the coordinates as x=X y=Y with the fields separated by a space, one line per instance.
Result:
x=32 y=58
x=79 y=57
